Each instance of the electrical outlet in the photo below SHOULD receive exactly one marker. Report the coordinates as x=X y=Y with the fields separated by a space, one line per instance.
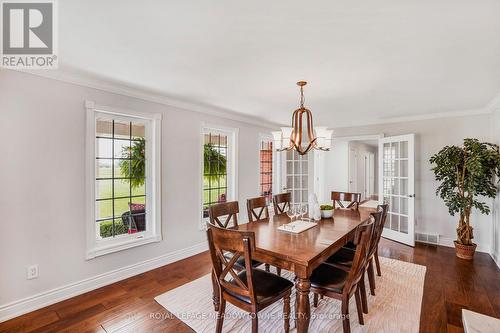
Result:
x=32 y=272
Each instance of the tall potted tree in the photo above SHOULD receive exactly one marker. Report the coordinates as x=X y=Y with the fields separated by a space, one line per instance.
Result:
x=466 y=174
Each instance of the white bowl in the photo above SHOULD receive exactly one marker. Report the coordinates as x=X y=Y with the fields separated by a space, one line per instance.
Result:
x=327 y=214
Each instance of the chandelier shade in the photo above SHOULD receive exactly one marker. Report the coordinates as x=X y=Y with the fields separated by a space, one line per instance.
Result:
x=302 y=136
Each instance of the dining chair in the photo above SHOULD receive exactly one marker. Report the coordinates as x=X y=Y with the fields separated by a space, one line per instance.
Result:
x=257 y=210
x=330 y=281
x=339 y=198
x=281 y=202
x=229 y=210
x=385 y=208
x=344 y=258
x=252 y=289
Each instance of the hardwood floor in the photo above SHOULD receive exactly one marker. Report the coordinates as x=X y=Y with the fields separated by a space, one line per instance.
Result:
x=128 y=306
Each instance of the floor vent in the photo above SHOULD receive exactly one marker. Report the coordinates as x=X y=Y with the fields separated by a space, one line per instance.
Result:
x=427 y=238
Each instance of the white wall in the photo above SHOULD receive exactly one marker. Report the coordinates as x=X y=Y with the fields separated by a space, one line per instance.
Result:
x=495 y=251
x=333 y=168
x=431 y=135
x=42 y=179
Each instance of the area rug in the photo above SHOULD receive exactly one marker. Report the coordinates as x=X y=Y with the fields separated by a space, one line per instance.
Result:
x=395 y=308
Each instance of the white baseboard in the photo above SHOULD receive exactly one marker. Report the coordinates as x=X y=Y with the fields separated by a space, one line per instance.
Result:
x=35 y=302
x=444 y=241
x=496 y=257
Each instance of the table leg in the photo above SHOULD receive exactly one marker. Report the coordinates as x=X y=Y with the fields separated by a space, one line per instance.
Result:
x=302 y=306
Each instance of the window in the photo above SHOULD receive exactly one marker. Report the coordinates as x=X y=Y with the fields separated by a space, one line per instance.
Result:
x=124 y=179
x=218 y=172
x=266 y=169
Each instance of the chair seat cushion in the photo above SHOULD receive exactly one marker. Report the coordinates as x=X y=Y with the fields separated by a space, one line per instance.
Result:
x=350 y=245
x=240 y=263
x=329 y=278
x=266 y=286
x=344 y=257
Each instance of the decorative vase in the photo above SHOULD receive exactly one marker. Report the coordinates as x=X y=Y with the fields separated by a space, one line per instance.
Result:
x=465 y=251
x=327 y=214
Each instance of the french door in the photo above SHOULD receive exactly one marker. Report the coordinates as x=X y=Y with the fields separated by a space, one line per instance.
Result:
x=295 y=171
x=396 y=186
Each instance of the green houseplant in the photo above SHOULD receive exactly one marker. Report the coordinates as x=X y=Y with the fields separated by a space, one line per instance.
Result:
x=466 y=174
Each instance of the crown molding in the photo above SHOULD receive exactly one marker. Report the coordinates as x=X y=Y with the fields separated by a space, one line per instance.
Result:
x=426 y=116
x=96 y=82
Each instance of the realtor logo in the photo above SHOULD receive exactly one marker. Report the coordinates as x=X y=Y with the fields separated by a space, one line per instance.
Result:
x=28 y=34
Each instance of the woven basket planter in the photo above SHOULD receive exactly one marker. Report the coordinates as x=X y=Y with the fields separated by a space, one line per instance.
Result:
x=465 y=251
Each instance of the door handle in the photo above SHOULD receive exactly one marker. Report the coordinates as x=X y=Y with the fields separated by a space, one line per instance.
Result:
x=411 y=195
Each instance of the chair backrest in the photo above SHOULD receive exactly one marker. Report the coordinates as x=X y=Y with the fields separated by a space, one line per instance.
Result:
x=340 y=197
x=281 y=202
x=377 y=230
x=362 y=239
x=228 y=209
x=241 y=244
x=257 y=209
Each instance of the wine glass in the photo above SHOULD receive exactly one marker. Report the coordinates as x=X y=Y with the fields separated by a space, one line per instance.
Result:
x=290 y=212
x=297 y=211
x=303 y=210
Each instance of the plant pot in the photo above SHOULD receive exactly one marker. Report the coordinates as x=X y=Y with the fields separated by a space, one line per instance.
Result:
x=465 y=251
x=327 y=214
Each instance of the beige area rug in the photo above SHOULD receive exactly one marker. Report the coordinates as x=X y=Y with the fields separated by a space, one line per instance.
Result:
x=395 y=308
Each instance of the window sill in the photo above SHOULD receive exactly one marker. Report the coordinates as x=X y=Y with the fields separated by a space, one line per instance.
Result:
x=127 y=243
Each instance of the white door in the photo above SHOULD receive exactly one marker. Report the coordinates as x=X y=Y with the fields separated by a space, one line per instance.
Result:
x=396 y=186
x=296 y=176
x=353 y=170
x=369 y=173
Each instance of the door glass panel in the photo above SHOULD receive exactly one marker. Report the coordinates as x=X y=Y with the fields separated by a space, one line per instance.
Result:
x=395 y=186
x=404 y=168
x=404 y=149
x=404 y=206
x=403 y=186
x=395 y=149
x=296 y=176
x=403 y=227
x=387 y=224
x=394 y=205
x=395 y=222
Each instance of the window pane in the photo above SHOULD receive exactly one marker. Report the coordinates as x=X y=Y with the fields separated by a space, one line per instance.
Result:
x=122 y=188
x=122 y=129
x=395 y=222
x=138 y=131
x=214 y=169
x=139 y=190
x=122 y=148
x=121 y=206
x=104 y=209
x=104 y=148
x=103 y=168
x=104 y=127
x=106 y=228
x=104 y=189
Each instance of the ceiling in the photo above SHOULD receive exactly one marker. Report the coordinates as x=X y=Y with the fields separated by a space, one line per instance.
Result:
x=364 y=61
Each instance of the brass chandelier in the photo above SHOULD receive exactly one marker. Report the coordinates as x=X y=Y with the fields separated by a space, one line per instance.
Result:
x=289 y=138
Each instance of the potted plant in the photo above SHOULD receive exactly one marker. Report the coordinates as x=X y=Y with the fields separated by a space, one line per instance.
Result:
x=326 y=211
x=466 y=174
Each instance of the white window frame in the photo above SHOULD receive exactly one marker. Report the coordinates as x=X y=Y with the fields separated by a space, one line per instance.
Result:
x=98 y=247
x=231 y=164
x=276 y=171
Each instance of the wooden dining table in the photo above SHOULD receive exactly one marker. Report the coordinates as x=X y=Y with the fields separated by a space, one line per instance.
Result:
x=301 y=253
